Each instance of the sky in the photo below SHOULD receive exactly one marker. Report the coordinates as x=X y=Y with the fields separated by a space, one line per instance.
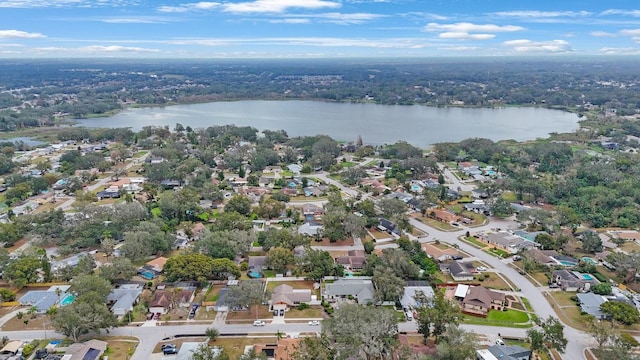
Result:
x=317 y=28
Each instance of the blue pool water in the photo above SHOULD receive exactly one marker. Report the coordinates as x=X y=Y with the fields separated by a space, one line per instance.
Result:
x=415 y=187
x=67 y=299
x=149 y=275
x=254 y=275
x=567 y=263
x=587 y=277
x=589 y=260
x=491 y=172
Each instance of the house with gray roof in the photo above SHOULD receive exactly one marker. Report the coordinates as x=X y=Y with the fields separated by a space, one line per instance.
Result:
x=504 y=352
x=122 y=299
x=360 y=289
x=408 y=299
x=590 y=304
x=43 y=300
x=287 y=296
x=568 y=280
x=460 y=272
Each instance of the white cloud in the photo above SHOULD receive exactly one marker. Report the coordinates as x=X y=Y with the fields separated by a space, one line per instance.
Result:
x=634 y=13
x=64 y=3
x=630 y=32
x=398 y=43
x=135 y=20
x=470 y=27
x=352 y=18
x=529 y=46
x=541 y=14
x=620 y=51
x=199 y=6
x=278 y=6
x=469 y=31
x=466 y=36
x=17 y=34
x=96 y=49
x=602 y=34
x=290 y=21
x=460 y=48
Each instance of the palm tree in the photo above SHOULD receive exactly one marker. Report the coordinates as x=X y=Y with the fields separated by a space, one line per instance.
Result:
x=32 y=311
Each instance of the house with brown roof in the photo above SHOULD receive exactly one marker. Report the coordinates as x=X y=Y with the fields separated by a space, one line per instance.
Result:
x=444 y=216
x=165 y=300
x=540 y=256
x=90 y=350
x=157 y=264
x=439 y=254
x=479 y=300
x=354 y=260
x=283 y=349
x=285 y=296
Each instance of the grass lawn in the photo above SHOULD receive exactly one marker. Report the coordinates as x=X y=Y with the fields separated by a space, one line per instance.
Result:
x=213 y=293
x=120 y=348
x=39 y=322
x=513 y=316
x=563 y=298
x=140 y=154
x=312 y=312
x=234 y=347
x=495 y=282
x=202 y=314
x=498 y=253
x=249 y=316
x=475 y=242
x=378 y=234
x=437 y=224
x=346 y=164
x=630 y=246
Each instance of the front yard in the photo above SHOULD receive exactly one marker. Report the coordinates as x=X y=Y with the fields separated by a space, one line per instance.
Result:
x=508 y=318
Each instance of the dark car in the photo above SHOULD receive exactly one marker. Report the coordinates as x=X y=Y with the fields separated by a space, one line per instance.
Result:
x=170 y=350
x=456 y=257
x=281 y=312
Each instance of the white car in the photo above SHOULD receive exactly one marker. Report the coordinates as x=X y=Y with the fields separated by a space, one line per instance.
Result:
x=499 y=342
x=314 y=322
x=481 y=268
x=259 y=323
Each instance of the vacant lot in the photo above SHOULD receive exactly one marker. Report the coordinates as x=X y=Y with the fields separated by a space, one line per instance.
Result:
x=120 y=348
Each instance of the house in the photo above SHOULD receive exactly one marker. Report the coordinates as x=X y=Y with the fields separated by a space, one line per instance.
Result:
x=540 y=256
x=310 y=229
x=354 y=260
x=439 y=254
x=408 y=300
x=70 y=261
x=568 y=280
x=187 y=349
x=504 y=352
x=507 y=241
x=312 y=209
x=360 y=289
x=43 y=300
x=107 y=194
x=388 y=226
x=165 y=300
x=459 y=271
x=477 y=206
x=90 y=350
x=295 y=168
x=122 y=299
x=444 y=216
x=479 y=300
x=281 y=350
x=285 y=296
x=590 y=304
x=11 y=348
x=157 y=264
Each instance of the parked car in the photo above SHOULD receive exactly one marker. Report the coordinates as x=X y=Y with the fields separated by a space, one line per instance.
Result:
x=166 y=346
x=281 y=312
x=259 y=323
x=481 y=268
x=499 y=342
x=456 y=257
x=170 y=350
x=314 y=322
x=553 y=286
x=275 y=312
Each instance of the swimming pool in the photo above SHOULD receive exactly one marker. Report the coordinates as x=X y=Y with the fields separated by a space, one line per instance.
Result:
x=589 y=260
x=254 y=275
x=587 y=276
x=567 y=263
x=67 y=299
x=415 y=188
x=149 y=275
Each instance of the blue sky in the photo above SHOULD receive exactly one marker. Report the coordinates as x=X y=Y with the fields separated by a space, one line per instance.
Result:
x=317 y=28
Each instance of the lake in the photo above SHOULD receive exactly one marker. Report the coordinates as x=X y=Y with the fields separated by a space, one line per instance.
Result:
x=377 y=124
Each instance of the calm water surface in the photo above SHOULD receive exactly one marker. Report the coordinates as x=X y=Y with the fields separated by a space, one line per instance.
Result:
x=377 y=124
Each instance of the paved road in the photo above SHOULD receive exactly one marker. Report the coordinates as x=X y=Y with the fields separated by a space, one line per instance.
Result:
x=578 y=340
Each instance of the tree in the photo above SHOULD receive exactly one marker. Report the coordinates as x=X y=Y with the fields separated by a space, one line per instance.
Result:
x=199 y=267
x=457 y=344
x=316 y=264
x=601 y=289
x=621 y=312
x=361 y=332
x=501 y=208
x=392 y=207
x=248 y=293
x=226 y=244
x=23 y=270
x=81 y=317
x=435 y=315
x=286 y=238
x=252 y=355
x=387 y=285
x=204 y=352
x=212 y=333
x=316 y=348
x=601 y=331
x=83 y=285
x=279 y=258
x=591 y=242
x=550 y=335
x=240 y=204
x=119 y=268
